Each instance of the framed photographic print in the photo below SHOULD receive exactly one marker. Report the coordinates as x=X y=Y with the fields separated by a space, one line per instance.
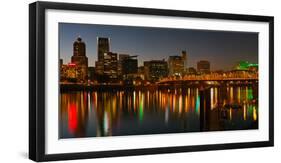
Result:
x=117 y=81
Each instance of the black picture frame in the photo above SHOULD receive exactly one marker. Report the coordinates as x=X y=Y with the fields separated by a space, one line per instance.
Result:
x=37 y=80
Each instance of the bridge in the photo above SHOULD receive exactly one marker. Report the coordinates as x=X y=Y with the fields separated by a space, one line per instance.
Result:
x=214 y=79
x=173 y=83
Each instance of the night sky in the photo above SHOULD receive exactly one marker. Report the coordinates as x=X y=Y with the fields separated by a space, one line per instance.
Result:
x=222 y=49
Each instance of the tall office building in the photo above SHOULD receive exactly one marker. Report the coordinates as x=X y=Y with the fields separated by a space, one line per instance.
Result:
x=110 y=65
x=99 y=67
x=176 y=65
x=129 y=65
x=122 y=57
x=203 y=67
x=155 y=69
x=91 y=73
x=103 y=47
x=80 y=59
x=184 y=57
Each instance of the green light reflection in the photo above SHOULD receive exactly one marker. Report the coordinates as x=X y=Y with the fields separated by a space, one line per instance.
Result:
x=141 y=108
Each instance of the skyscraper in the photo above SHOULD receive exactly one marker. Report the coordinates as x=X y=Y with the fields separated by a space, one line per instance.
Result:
x=103 y=47
x=129 y=65
x=122 y=57
x=110 y=66
x=91 y=73
x=184 y=57
x=80 y=59
x=155 y=69
x=176 y=65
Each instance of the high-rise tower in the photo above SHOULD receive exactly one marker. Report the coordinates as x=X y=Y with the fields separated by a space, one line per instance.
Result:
x=103 y=47
x=80 y=59
x=184 y=57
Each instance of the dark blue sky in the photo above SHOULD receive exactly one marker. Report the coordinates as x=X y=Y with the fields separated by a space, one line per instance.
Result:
x=222 y=49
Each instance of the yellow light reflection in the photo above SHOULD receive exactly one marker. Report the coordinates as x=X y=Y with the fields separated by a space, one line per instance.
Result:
x=89 y=102
x=255 y=115
x=114 y=105
x=134 y=100
x=230 y=113
x=186 y=103
x=212 y=98
x=246 y=93
x=180 y=104
x=231 y=94
x=174 y=103
x=244 y=112
x=216 y=97
x=238 y=95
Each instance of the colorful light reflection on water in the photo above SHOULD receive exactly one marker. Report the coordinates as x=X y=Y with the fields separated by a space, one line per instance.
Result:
x=92 y=114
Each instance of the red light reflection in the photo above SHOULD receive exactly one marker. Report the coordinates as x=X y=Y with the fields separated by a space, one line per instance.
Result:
x=72 y=118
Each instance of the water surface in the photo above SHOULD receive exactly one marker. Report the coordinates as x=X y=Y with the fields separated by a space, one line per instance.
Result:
x=94 y=114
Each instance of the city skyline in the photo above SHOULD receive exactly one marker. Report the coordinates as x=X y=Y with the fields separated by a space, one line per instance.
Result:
x=131 y=90
x=151 y=43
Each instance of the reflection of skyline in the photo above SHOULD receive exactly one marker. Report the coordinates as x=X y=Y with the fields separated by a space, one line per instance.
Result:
x=86 y=114
x=222 y=49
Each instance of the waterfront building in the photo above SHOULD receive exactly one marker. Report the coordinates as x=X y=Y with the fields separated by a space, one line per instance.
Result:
x=99 y=67
x=79 y=59
x=246 y=66
x=119 y=66
x=103 y=46
x=91 y=73
x=70 y=73
x=110 y=66
x=184 y=58
x=155 y=70
x=203 y=67
x=129 y=67
x=141 y=72
x=176 y=65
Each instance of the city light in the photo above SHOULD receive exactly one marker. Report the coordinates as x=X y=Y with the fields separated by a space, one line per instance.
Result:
x=122 y=69
x=119 y=95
